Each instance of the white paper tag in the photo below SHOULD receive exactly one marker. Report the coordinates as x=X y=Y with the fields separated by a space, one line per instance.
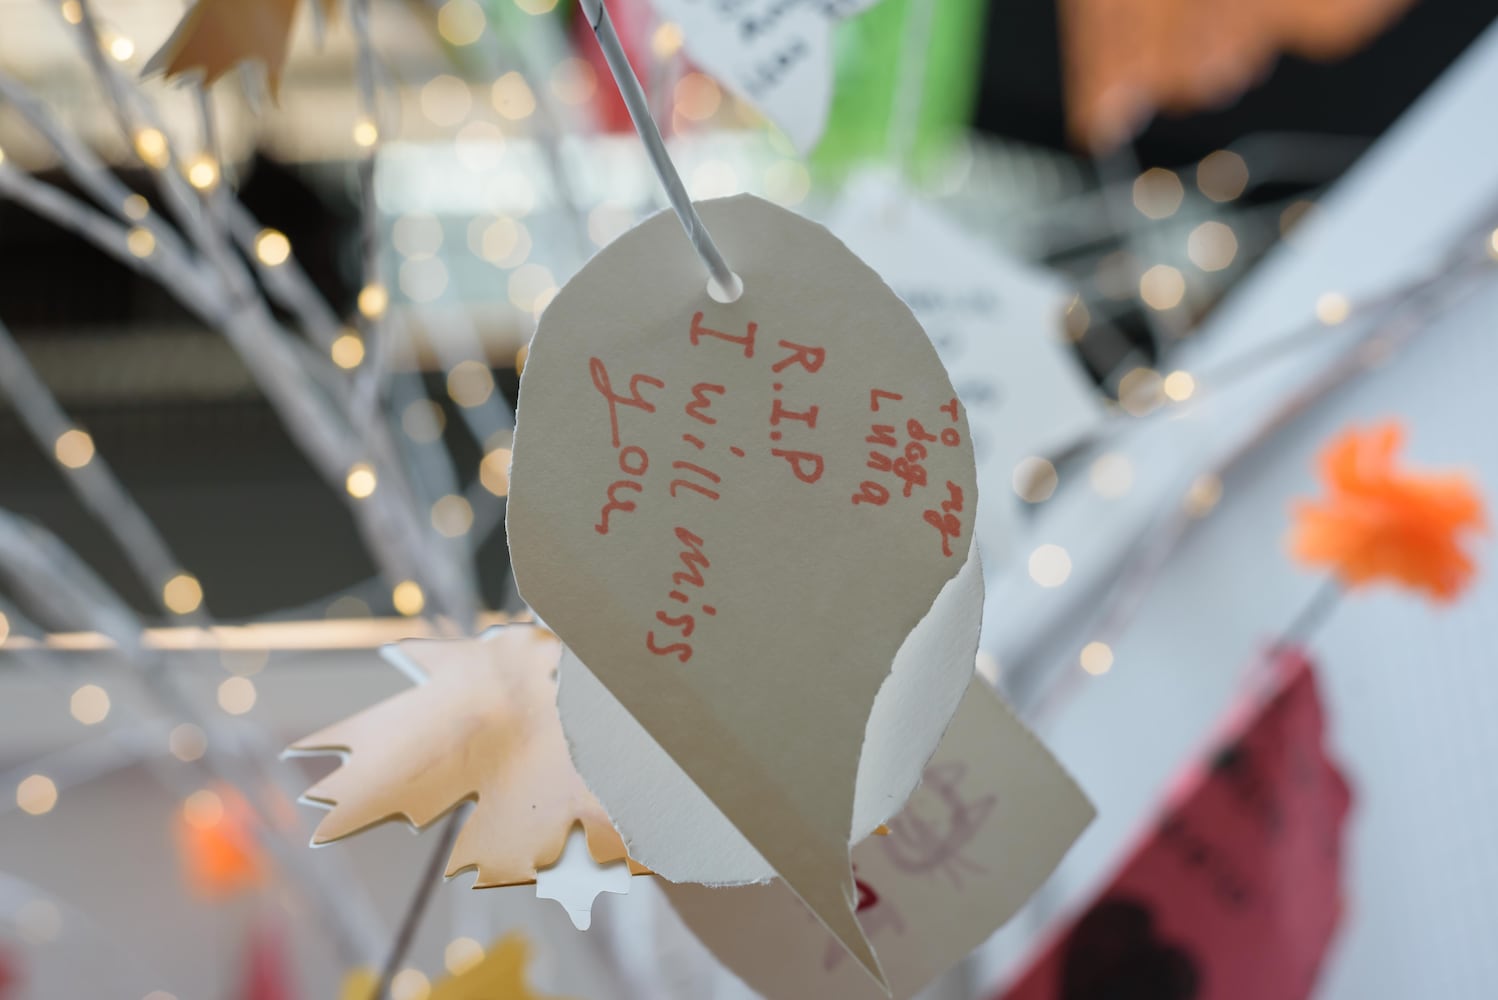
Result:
x=995 y=322
x=776 y=55
x=736 y=514
x=990 y=822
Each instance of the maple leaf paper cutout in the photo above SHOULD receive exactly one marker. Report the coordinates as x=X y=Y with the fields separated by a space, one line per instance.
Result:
x=1126 y=59
x=500 y=975
x=483 y=726
x=217 y=35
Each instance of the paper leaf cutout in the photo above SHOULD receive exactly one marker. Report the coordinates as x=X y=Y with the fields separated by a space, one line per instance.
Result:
x=500 y=975
x=483 y=726
x=576 y=882
x=773 y=54
x=1379 y=523
x=217 y=35
x=736 y=515
x=1127 y=59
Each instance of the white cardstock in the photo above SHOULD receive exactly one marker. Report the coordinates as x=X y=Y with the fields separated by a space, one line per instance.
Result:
x=775 y=54
x=735 y=515
x=996 y=323
x=990 y=822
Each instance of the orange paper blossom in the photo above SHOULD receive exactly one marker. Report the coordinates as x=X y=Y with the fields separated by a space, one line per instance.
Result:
x=1378 y=522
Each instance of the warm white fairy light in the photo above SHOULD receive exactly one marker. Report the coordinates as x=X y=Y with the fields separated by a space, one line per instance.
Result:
x=461 y=22
x=361 y=481
x=141 y=242
x=452 y=516
x=1179 y=386
x=1096 y=658
x=237 y=695
x=1222 y=176
x=151 y=146
x=1158 y=193
x=89 y=704
x=182 y=594
x=366 y=133
x=470 y=383
x=120 y=48
x=1333 y=308
x=410 y=984
x=1212 y=246
x=1050 y=565
x=36 y=794
x=1492 y=245
x=272 y=247
x=666 y=40
x=203 y=172
x=187 y=742
x=4 y=628
x=72 y=11
x=494 y=471
x=1162 y=287
x=347 y=350
x=73 y=448
x=461 y=955
x=446 y=100
x=512 y=98
x=374 y=299
x=1033 y=479
x=408 y=598
x=136 y=207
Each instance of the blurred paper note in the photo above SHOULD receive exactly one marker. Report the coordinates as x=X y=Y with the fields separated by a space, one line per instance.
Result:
x=1237 y=892
x=773 y=54
x=735 y=515
x=992 y=819
x=996 y=323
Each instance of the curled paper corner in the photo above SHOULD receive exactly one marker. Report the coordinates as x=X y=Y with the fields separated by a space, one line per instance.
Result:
x=576 y=880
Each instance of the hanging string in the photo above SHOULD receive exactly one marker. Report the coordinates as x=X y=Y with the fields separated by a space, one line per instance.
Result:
x=725 y=286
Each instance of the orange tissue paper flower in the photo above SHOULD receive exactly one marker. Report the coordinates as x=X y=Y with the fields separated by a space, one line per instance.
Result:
x=1378 y=522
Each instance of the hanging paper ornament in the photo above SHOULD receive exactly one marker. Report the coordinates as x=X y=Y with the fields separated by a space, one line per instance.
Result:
x=1237 y=892
x=1126 y=59
x=215 y=36
x=482 y=724
x=775 y=55
x=1380 y=523
x=500 y=975
x=745 y=518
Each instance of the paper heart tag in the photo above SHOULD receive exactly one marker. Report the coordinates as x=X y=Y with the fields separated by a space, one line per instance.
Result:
x=773 y=54
x=735 y=515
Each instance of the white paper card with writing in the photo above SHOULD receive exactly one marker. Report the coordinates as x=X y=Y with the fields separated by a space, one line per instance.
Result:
x=773 y=54
x=996 y=323
x=990 y=822
x=736 y=514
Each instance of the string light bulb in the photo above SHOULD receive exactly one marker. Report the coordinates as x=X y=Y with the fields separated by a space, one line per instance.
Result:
x=272 y=247
x=1333 y=308
x=366 y=133
x=36 y=794
x=203 y=172
x=374 y=299
x=1096 y=658
x=237 y=695
x=141 y=242
x=89 y=704
x=151 y=146
x=347 y=350
x=74 y=448
x=408 y=598
x=361 y=481
x=182 y=594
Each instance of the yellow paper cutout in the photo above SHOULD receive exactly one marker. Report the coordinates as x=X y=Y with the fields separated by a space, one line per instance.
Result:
x=501 y=975
x=215 y=36
x=484 y=726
